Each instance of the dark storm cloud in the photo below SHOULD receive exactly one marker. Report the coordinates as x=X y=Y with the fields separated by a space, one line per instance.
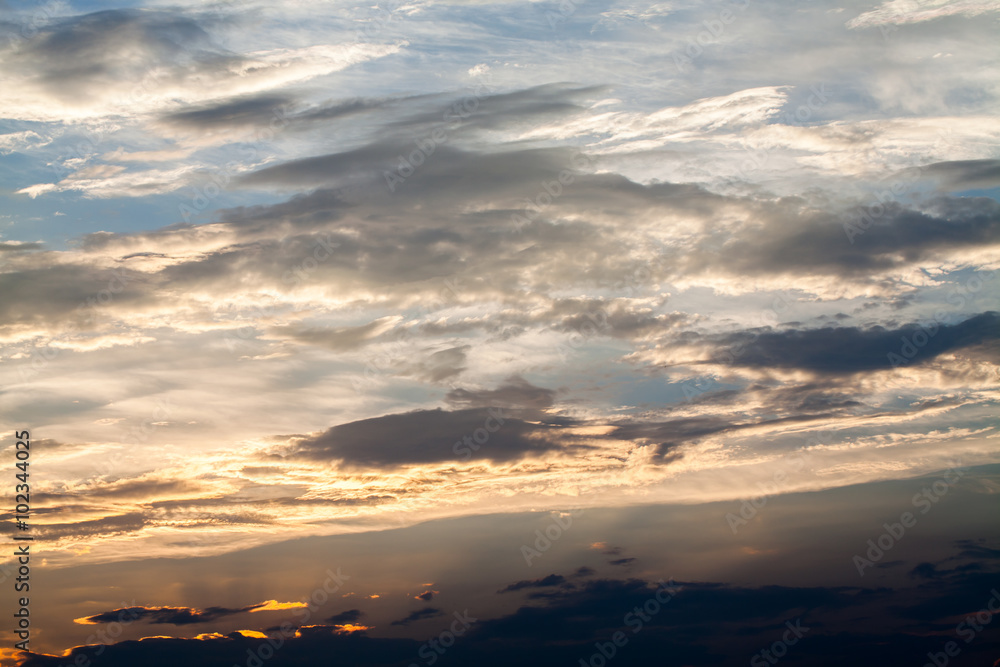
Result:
x=256 y=110
x=848 y=350
x=426 y=436
x=516 y=392
x=419 y=615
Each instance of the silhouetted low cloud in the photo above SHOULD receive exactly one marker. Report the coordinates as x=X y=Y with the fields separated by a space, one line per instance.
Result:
x=419 y=615
x=550 y=580
x=167 y=615
x=696 y=623
x=349 y=616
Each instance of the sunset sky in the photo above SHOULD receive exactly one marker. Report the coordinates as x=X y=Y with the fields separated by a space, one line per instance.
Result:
x=702 y=293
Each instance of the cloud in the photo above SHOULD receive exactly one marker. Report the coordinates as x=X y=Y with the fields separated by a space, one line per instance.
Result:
x=622 y=561
x=848 y=350
x=901 y=12
x=965 y=174
x=180 y=615
x=425 y=436
x=349 y=616
x=681 y=618
x=235 y=114
x=515 y=393
x=544 y=582
x=130 y=61
x=419 y=615
x=342 y=338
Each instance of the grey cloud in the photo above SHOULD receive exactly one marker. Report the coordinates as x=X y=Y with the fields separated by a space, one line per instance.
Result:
x=257 y=110
x=515 y=393
x=19 y=247
x=425 y=436
x=60 y=292
x=338 y=339
x=848 y=350
x=167 y=615
x=436 y=366
x=494 y=111
x=544 y=582
x=419 y=615
x=965 y=174
x=112 y=525
x=854 y=243
x=349 y=616
x=80 y=55
x=131 y=490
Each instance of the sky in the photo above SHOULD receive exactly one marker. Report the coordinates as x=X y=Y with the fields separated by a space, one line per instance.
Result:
x=534 y=311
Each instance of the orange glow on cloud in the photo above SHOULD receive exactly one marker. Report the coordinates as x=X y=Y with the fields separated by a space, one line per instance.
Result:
x=252 y=633
x=274 y=605
x=351 y=627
